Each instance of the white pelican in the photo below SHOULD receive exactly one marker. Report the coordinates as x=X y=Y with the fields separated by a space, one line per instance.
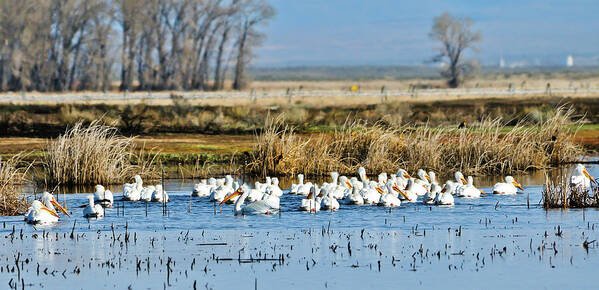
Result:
x=389 y=197
x=272 y=200
x=255 y=194
x=294 y=187
x=339 y=191
x=262 y=186
x=258 y=207
x=581 y=179
x=354 y=197
x=303 y=188
x=203 y=188
x=219 y=193
x=509 y=187
x=147 y=192
x=93 y=210
x=431 y=196
x=160 y=194
x=328 y=201
x=433 y=177
x=410 y=193
x=103 y=196
x=469 y=190
x=444 y=197
x=459 y=181
x=371 y=193
x=132 y=191
x=40 y=214
x=274 y=188
x=422 y=180
x=310 y=203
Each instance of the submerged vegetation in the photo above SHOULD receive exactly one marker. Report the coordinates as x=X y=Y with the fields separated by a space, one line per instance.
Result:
x=13 y=173
x=94 y=154
x=485 y=148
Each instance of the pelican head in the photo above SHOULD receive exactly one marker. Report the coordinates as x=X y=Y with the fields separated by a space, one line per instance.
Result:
x=511 y=180
x=459 y=178
x=100 y=189
x=362 y=173
x=403 y=173
x=422 y=175
x=581 y=170
x=383 y=178
x=50 y=203
x=432 y=176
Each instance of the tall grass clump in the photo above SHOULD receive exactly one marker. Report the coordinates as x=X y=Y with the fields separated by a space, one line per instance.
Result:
x=559 y=194
x=13 y=173
x=489 y=147
x=94 y=154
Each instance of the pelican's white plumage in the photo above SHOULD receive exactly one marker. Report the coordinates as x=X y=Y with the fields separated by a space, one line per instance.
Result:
x=93 y=210
x=223 y=189
x=430 y=197
x=509 y=187
x=103 y=196
x=410 y=194
x=254 y=208
x=147 y=192
x=132 y=191
x=468 y=190
x=445 y=197
x=581 y=179
x=160 y=195
x=40 y=214
x=204 y=188
x=328 y=201
x=311 y=203
x=354 y=197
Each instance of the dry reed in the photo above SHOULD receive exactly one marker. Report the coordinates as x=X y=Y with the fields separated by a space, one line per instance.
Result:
x=13 y=173
x=559 y=194
x=487 y=148
x=95 y=154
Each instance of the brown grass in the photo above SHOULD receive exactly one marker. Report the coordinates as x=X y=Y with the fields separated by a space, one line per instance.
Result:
x=95 y=154
x=13 y=173
x=486 y=148
x=559 y=194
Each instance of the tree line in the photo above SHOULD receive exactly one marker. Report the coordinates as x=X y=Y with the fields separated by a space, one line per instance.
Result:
x=60 y=45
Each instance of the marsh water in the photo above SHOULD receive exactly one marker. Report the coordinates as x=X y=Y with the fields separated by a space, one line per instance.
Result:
x=492 y=242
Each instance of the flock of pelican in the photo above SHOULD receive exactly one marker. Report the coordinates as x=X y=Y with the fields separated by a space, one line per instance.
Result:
x=388 y=190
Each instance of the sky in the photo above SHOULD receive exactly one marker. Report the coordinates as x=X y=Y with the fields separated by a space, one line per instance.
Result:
x=394 y=32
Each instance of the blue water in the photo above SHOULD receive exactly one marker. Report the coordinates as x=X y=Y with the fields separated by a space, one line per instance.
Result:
x=417 y=246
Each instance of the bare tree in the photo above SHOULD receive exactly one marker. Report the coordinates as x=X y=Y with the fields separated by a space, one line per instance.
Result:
x=59 y=45
x=252 y=13
x=456 y=36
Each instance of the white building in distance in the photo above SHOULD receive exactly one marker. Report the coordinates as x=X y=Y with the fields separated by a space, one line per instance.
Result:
x=570 y=61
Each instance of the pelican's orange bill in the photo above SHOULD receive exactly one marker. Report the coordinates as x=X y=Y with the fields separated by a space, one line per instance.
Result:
x=59 y=207
x=50 y=211
x=349 y=184
x=586 y=173
x=516 y=184
x=232 y=195
x=378 y=188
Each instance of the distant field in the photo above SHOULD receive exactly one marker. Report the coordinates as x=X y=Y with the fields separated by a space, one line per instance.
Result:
x=334 y=92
